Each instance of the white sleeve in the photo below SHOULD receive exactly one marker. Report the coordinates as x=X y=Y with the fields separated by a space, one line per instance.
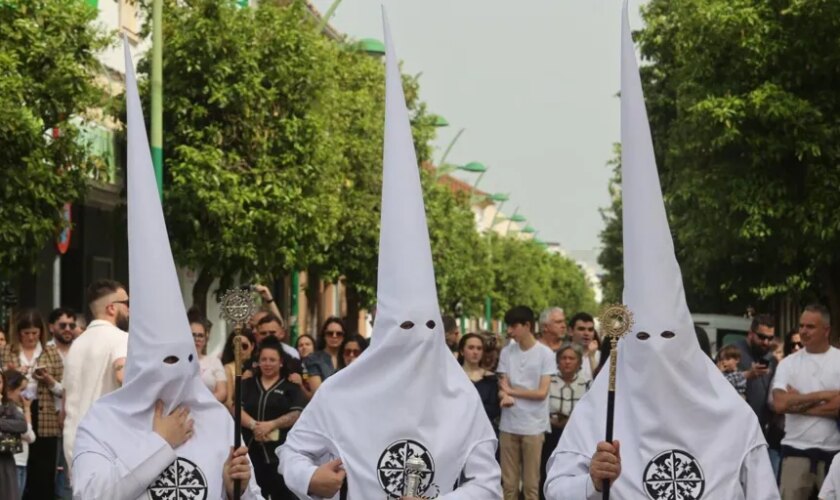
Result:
x=482 y=473
x=780 y=378
x=29 y=435
x=754 y=473
x=549 y=366
x=504 y=361
x=568 y=478
x=831 y=486
x=97 y=476
x=299 y=457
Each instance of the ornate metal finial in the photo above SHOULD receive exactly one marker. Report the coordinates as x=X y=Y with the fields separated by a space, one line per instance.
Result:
x=616 y=320
x=238 y=306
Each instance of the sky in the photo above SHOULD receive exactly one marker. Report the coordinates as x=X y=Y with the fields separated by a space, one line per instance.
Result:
x=534 y=84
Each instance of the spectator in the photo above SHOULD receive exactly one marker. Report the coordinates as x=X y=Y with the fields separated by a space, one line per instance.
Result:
x=728 y=359
x=583 y=333
x=212 y=371
x=270 y=406
x=325 y=360
x=81 y=325
x=492 y=349
x=470 y=354
x=272 y=325
x=451 y=333
x=793 y=343
x=352 y=347
x=758 y=364
x=248 y=342
x=41 y=364
x=305 y=346
x=94 y=365
x=62 y=326
x=14 y=409
x=807 y=389
x=566 y=389
x=269 y=305
x=2 y=341
x=525 y=369
x=553 y=328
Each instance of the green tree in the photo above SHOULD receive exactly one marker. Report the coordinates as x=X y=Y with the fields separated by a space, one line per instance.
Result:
x=252 y=178
x=742 y=103
x=47 y=51
x=611 y=257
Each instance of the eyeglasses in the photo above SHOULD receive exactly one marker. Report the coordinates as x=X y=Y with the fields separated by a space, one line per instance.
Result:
x=333 y=333
x=352 y=352
x=124 y=302
x=797 y=345
x=67 y=326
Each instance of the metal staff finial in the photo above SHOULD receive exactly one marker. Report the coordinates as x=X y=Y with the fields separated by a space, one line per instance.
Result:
x=616 y=320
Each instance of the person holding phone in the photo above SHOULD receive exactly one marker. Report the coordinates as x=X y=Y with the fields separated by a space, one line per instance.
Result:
x=758 y=364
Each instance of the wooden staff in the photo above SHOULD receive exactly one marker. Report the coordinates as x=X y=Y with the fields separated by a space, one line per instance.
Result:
x=237 y=307
x=616 y=320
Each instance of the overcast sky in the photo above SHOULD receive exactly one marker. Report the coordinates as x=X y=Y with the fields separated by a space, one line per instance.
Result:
x=534 y=84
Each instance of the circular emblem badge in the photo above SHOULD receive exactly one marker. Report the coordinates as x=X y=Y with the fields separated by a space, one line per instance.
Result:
x=392 y=467
x=182 y=480
x=674 y=475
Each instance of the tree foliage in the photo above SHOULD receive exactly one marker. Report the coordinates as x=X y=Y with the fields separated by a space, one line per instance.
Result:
x=742 y=102
x=47 y=85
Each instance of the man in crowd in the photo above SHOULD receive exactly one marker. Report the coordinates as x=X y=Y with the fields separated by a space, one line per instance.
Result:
x=553 y=328
x=758 y=364
x=807 y=388
x=94 y=365
x=451 y=333
x=525 y=369
x=583 y=333
x=272 y=326
x=62 y=326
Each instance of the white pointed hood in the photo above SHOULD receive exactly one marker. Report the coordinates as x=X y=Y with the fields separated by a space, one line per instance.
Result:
x=121 y=421
x=669 y=395
x=404 y=391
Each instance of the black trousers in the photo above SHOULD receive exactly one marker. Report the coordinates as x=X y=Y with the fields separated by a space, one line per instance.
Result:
x=551 y=440
x=271 y=482
x=42 y=463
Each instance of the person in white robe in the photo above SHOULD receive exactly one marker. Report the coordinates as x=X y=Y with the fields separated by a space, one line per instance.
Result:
x=681 y=431
x=162 y=435
x=406 y=398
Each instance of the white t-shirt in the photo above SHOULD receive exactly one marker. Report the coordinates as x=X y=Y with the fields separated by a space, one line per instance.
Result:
x=524 y=369
x=89 y=373
x=212 y=371
x=588 y=364
x=806 y=373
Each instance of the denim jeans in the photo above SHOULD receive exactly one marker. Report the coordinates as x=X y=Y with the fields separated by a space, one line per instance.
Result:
x=21 y=475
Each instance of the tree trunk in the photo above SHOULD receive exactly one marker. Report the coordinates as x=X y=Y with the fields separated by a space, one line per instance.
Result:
x=201 y=289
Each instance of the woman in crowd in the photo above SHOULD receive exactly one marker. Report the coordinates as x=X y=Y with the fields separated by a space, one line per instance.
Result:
x=212 y=371
x=567 y=388
x=351 y=348
x=492 y=349
x=470 y=354
x=12 y=384
x=270 y=406
x=229 y=359
x=325 y=360
x=28 y=353
x=793 y=342
x=305 y=346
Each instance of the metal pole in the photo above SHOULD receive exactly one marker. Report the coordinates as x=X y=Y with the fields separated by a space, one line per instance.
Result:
x=442 y=161
x=157 y=92
x=488 y=312
x=510 y=220
x=293 y=314
x=325 y=19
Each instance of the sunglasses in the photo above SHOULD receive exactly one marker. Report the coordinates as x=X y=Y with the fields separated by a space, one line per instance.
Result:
x=334 y=334
x=124 y=302
x=764 y=337
x=67 y=326
x=352 y=352
x=796 y=344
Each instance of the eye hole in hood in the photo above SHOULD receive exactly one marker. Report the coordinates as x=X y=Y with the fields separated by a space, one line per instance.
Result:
x=171 y=360
x=643 y=335
x=430 y=325
x=407 y=325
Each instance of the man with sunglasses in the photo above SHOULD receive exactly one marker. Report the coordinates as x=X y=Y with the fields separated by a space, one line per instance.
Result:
x=758 y=364
x=62 y=325
x=94 y=365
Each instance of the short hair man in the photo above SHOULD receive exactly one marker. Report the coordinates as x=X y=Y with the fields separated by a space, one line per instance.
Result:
x=553 y=328
x=583 y=333
x=525 y=369
x=94 y=364
x=62 y=325
x=272 y=326
x=758 y=364
x=451 y=333
x=807 y=388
